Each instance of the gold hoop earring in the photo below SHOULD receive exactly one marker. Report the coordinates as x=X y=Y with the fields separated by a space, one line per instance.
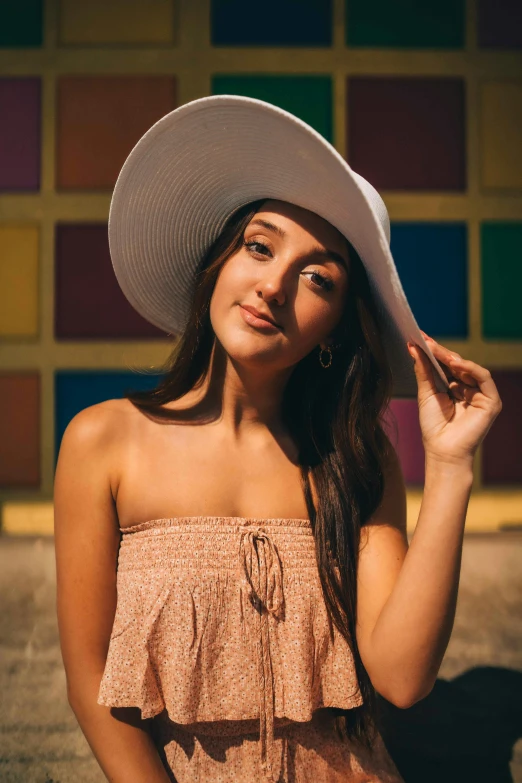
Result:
x=326 y=350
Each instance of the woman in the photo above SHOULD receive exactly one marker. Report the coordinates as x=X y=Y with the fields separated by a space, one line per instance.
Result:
x=234 y=577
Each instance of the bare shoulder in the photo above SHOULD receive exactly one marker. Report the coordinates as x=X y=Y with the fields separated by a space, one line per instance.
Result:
x=99 y=422
x=95 y=436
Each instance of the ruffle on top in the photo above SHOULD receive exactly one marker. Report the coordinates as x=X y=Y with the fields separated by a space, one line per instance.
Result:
x=223 y=619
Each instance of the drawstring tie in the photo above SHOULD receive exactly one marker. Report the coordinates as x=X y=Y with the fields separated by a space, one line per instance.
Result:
x=263 y=584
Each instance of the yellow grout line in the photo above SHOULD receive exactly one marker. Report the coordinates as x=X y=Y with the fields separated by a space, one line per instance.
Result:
x=488 y=512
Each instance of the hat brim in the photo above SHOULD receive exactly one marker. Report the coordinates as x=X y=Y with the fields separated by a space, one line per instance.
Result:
x=198 y=164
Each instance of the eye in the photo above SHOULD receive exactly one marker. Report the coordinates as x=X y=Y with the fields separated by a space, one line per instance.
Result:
x=325 y=283
x=251 y=245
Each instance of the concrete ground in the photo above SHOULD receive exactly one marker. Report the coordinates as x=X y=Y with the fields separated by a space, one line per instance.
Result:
x=468 y=729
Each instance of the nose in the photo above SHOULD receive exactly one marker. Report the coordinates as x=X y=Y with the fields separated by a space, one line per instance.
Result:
x=272 y=284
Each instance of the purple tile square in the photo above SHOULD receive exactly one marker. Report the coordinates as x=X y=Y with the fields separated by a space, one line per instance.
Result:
x=502 y=447
x=499 y=24
x=20 y=130
x=89 y=303
x=402 y=426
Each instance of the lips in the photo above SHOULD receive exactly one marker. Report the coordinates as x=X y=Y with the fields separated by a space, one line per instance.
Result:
x=261 y=315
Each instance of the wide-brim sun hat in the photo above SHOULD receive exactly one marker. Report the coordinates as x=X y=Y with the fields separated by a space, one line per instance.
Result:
x=198 y=164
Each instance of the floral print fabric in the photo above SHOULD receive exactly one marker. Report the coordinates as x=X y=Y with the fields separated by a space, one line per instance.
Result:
x=221 y=631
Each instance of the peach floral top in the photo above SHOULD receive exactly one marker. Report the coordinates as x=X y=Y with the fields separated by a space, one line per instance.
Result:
x=223 y=618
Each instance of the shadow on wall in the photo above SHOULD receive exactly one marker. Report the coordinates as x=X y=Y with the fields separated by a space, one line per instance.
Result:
x=464 y=730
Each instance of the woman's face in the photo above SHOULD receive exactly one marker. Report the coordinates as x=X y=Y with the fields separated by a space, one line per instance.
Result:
x=293 y=267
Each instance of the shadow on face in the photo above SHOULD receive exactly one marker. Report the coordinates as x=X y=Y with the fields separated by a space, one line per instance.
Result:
x=292 y=267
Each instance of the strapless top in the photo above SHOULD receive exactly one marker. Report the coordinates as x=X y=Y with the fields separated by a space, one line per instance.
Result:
x=223 y=619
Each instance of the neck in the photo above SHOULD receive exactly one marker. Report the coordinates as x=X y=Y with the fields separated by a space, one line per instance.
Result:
x=248 y=400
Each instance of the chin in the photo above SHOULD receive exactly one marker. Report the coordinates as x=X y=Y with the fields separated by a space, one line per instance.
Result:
x=248 y=350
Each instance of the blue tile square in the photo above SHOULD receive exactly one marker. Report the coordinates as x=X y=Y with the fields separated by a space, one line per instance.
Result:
x=431 y=260
x=273 y=23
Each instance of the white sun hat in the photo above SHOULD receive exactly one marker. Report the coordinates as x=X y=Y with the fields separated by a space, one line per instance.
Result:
x=201 y=162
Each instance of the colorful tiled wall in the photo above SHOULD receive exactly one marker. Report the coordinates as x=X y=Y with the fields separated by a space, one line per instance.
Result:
x=423 y=99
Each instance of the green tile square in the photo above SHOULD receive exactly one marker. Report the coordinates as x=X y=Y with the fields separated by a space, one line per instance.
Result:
x=308 y=97
x=406 y=23
x=501 y=266
x=21 y=23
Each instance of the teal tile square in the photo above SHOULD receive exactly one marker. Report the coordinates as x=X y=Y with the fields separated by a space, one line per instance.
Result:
x=79 y=388
x=308 y=97
x=501 y=272
x=406 y=23
x=21 y=24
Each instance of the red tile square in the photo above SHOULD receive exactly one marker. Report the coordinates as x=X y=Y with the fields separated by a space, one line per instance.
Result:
x=407 y=133
x=20 y=428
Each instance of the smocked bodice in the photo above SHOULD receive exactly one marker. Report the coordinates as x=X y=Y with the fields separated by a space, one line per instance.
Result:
x=223 y=619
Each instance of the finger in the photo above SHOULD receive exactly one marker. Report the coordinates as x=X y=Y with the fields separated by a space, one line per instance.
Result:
x=462 y=375
x=441 y=353
x=461 y=391
x=480 y=375
x=431 y=340
x=423 y=369
x=470 y=373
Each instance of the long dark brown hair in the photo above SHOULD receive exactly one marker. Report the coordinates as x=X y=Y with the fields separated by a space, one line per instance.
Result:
x=334 y=417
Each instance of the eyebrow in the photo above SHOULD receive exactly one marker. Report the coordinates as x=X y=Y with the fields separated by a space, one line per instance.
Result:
x=331 y=255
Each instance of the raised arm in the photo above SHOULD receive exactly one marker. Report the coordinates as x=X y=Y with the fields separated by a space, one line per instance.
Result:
x=86 y=543
x=408 y=595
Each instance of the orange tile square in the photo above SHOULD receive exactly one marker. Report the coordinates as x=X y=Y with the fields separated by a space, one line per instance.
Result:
x=100 y=119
